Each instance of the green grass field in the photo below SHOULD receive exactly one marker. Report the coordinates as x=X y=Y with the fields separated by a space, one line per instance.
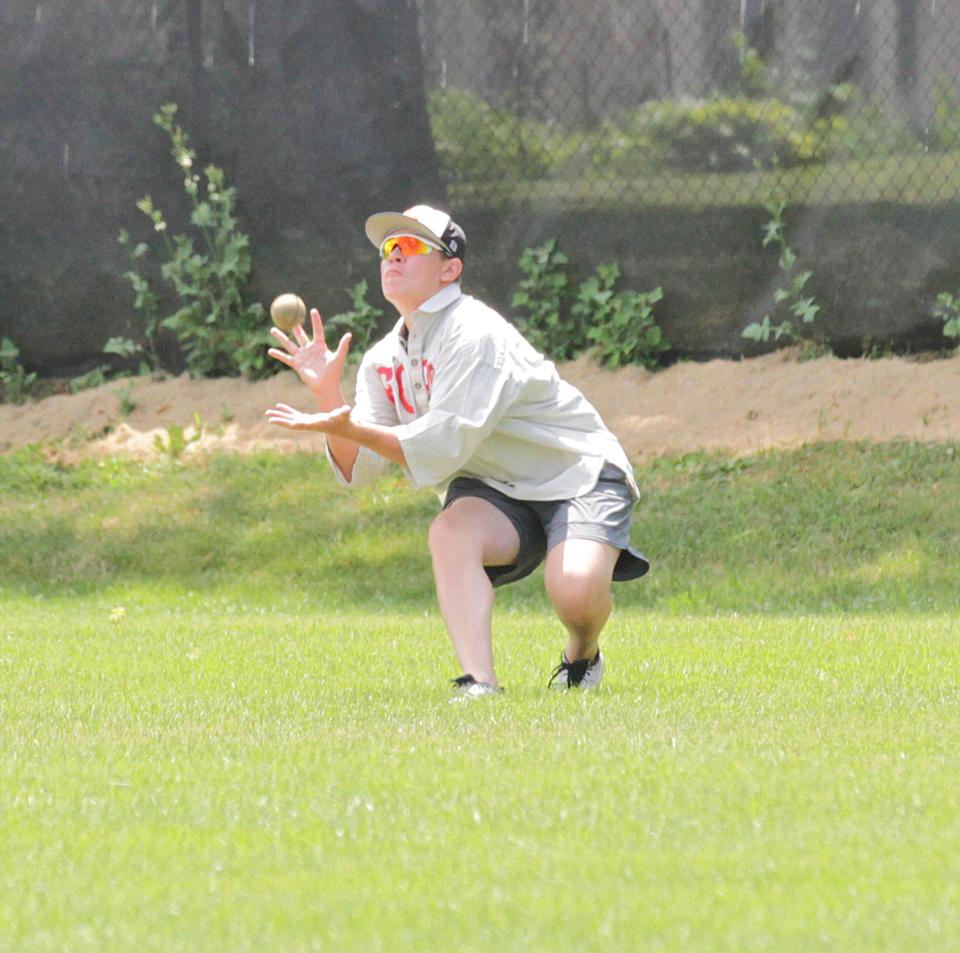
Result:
x=258 y=752
x=921 y=179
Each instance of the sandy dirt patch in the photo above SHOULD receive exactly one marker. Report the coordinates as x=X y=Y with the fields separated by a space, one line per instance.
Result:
x=738 y=406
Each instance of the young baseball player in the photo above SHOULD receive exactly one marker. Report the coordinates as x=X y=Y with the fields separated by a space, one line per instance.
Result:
x=525 y=467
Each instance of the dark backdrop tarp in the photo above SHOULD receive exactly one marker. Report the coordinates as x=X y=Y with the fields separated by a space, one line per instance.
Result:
x=316 y=111
x=314 y=108
x=877 y=267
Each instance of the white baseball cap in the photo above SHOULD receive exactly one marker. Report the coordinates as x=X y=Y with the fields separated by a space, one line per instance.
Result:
x=421 y=221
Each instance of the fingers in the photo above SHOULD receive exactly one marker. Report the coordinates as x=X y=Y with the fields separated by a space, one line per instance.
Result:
x=281 y=356
x=282 y=339
x=343 y=347
x=286 y=416
x=317 y=323
x=301 y=336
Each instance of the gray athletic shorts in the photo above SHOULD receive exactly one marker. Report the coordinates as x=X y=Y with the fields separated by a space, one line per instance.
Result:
x=603 y=514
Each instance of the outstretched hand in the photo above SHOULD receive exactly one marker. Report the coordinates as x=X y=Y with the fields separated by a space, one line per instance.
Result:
x=335 y=422
x=318 y=367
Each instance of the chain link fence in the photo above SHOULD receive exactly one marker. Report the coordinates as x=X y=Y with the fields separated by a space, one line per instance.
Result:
x=694 y=103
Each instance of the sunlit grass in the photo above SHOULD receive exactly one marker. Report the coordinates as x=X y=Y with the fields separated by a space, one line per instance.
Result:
x=921 y=179
x=202 y=778
x=832 y=527
x=225 y=720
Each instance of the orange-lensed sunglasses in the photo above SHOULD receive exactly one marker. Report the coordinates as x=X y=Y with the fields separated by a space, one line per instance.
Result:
x=407 y=244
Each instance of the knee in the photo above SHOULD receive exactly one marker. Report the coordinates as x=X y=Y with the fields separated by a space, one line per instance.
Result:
x=580 y=598
x=448 y=535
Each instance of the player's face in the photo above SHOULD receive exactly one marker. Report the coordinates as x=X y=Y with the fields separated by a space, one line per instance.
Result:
x=408 y=280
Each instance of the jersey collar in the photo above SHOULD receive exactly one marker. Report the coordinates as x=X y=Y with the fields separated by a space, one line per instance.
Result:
x=431 y=308
x=440 y=300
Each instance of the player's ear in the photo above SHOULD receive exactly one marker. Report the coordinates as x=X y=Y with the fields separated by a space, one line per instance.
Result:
x=452 y=270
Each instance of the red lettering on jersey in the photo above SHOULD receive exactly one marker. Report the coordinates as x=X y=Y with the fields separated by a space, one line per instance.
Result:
x=403 y=397
x=428 y=375
x=386 y=375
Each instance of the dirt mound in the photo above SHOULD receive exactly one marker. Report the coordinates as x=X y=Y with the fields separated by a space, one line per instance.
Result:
x=775 y=401
x=739 y=406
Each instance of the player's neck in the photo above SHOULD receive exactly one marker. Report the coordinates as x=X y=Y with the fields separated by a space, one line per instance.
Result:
x=408 y=308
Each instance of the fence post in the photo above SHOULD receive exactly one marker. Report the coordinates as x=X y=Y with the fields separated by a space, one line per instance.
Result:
x=907 y=54
x=198 y=82
x=716 y=55
x=760 y=26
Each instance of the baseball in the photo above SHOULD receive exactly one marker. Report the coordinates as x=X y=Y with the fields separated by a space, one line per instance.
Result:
x=287 y=311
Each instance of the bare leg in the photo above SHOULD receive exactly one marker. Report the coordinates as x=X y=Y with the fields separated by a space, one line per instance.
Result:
x=578 y=577
x=470 y=534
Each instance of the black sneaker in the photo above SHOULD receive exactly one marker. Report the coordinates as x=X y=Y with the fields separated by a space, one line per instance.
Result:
x=584 y=673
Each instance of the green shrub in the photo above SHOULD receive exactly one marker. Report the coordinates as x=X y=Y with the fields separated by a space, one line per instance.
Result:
x=145 y=301
x=477 y=142
x=15 y=383
x=729 y=135
x=619 y=324
x=177 y=441
x=209 y=271
x=362 y=321
x=801 y=309
x=756 y=77
x=863 y=131
x=540 y=303
x=742 y=134
x=91 y=379
x=948 y=310
x=715 y=135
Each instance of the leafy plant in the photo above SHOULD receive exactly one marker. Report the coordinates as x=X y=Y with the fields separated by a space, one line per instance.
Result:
x=756 y=78
x=801 y=309
x=476 y=141
x=948 y=310
x=362 y=321
x=772 y=117
x=619 y=324
x=17 y=383
x=127 y=403
x=93 y=378
x=723 y=134
x=830 y=121
x=209 y=271
x=145 y=301
x=177 y=440
x=122 y=347
x=540 y=303
x=874 y=350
